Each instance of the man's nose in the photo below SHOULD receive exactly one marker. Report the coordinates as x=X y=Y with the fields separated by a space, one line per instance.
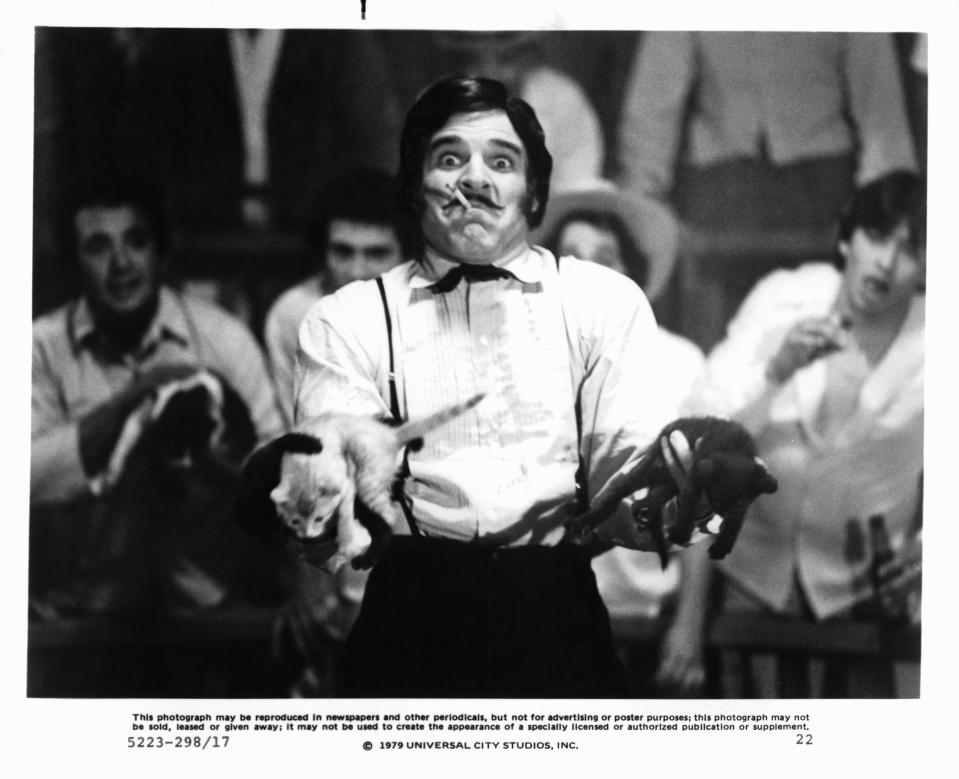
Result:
x=887 y=255
x=366 y=268
x=475 y=176
x=121 y=257
x=359 y=271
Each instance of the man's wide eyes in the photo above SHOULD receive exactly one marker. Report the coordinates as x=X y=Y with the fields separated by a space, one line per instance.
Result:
x=453 y=160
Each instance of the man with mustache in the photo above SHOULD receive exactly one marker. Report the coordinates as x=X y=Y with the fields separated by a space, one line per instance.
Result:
x=479 y=594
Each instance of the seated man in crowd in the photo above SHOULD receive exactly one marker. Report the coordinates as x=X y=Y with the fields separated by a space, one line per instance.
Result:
x=354 y=233
x=824 y=365
x=144 y=403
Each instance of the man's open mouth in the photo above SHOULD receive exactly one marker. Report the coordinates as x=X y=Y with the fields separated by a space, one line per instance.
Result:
x=124 y=288
x=876 y=286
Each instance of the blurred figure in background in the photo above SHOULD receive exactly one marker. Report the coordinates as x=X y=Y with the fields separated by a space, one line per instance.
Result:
x=354 y=233
x=246 y=123
x=144 y=404
x=637 y=237
x=824 y=365
x=914 y=55
x=83 y=81
x=569 y=119
x=758 y=132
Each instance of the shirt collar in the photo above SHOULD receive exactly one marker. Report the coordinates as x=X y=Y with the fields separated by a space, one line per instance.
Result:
x=527 y=266
x=170 y=322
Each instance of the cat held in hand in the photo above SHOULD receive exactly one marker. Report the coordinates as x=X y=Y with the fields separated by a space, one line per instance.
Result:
x=334 y=460
x=725 y=476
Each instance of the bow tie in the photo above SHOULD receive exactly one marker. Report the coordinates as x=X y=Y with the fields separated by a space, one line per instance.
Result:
x=470 y=273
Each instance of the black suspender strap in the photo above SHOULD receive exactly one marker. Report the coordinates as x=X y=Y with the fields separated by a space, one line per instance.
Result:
x=582 y=496
x=394 y=401
x=398 y=493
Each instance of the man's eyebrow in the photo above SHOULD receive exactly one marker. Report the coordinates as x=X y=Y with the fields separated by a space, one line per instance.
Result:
x=508 y=145
x=444 y=140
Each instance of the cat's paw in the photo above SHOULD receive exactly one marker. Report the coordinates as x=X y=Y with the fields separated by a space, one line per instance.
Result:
x=336 y=562
x=356 y=544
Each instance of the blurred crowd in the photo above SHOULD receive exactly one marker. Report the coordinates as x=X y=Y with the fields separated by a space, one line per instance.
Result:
x=197 y=191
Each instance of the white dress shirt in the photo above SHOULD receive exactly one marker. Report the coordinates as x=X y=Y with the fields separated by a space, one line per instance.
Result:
x=633 y=583
x=835 y=469
x=255 y=57
x=71 y=376
x=505 y=470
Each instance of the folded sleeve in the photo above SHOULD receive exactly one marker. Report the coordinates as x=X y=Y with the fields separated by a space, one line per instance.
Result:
x=338 y=357
x=56 y=474
x=734 y=382
x=620 y=411
x=242 y=364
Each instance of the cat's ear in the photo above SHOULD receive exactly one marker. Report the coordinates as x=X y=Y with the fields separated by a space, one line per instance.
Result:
x=279 y=493
x=299 y=443
x=764 y=480
x=253 y=507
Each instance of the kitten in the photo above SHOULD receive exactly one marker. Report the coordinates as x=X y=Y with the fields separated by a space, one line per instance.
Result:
x=725 y=470
x=334 y=459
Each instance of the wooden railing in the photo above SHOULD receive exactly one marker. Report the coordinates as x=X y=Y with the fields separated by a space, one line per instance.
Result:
x=246 y=632
x=896 y=641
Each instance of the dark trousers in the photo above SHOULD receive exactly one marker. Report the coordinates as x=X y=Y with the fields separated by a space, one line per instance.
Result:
x=445 y=619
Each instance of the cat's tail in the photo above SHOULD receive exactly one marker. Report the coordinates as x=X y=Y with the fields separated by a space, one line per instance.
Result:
x=412 y=432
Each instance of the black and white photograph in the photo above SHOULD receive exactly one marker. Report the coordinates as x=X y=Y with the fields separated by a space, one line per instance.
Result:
x=417 y=372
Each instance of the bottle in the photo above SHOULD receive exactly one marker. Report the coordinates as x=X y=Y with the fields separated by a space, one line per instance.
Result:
x=882 y=553
x=854 y=546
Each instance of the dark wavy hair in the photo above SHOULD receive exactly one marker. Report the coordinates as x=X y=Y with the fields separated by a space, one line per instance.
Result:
x=113 y=189
x=359 y=194
x=882 y=205
x=466 y=95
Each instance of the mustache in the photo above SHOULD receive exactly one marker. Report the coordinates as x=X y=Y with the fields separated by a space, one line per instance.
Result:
x=456 y=197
